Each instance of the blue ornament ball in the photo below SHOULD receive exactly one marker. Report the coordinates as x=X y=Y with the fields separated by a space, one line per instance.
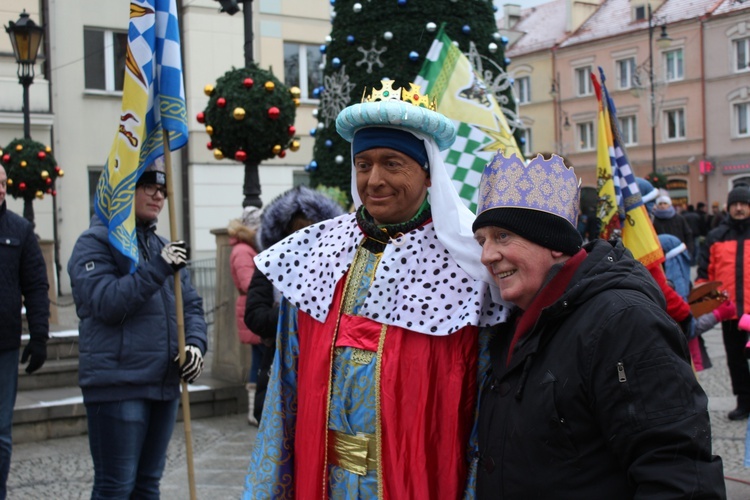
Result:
x=333 y=2
x=507 y=60
x=466 y=29
x=413 y=55
x=313 y=165
x=402 y=2
x=316 y=92
x=350 y=39
x=329 y=143
x=323 y=49
x=313 y=131
x=522 y=140
x=336 y=62
x=504 y=39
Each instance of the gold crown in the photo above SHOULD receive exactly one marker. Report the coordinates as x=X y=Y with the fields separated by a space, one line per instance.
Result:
x=388 y=93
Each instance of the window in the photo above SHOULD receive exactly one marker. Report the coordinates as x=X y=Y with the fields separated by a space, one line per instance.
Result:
x=625 y=71
x=523 y=87
x=583 y=81
x=742 y=54
x=104 y=52
x=639 y=13
x=742 y=119
x=675 y=124
x=526 y=141
x=585 y=136
x=673 y=66
x=628 y=130
x=302 y=68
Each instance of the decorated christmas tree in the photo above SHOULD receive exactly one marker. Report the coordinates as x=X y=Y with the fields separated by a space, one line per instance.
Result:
x=250 y=118
x=31 y=171
x=371 y=41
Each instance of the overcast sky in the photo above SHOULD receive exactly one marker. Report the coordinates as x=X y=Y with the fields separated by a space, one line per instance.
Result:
x=522 y=3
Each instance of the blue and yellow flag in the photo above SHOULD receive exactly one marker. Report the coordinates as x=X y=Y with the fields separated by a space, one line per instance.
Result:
x=448 y=76
x=153 y=100
x=620 y=204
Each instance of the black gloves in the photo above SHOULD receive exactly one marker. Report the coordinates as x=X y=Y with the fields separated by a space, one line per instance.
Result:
x=686 y=325
x=175 y=253
x=36 y=350
x=192 y=368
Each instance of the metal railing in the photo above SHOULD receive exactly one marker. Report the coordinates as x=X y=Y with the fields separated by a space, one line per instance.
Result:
x=203 y=277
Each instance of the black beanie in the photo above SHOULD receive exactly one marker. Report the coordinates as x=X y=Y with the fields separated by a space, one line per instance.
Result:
x=543 y=228
x=740 y=194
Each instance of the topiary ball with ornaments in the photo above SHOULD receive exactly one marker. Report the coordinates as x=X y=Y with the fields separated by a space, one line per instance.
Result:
x=250 y=115
x=31 y=169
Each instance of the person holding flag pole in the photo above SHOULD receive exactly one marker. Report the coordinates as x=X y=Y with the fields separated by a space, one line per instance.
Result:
x=140 y=333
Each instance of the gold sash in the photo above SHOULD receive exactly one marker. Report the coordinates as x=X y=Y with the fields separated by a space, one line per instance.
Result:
x=357 y=453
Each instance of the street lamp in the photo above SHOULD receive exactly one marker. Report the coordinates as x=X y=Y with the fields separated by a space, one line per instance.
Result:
x=554 y=92
x=663 y=43
x=25 y=36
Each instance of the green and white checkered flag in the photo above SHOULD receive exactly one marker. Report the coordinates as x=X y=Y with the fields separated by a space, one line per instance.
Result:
x=448 y=77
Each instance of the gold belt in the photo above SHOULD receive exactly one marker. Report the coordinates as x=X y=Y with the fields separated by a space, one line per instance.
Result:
x=357 y=453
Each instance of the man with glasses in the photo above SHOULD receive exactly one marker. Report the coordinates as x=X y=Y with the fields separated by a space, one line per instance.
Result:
x=128 y=369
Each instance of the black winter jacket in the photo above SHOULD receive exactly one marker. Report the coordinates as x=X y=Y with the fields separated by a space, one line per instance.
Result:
x=22 y=273
x=599 y=400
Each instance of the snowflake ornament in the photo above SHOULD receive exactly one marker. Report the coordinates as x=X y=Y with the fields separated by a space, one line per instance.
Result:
x=336 y=96
x=371 y=57
x=497 y=81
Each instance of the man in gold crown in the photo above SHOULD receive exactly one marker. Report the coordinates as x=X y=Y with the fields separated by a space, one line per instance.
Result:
x=373 y=388
x=589 y=391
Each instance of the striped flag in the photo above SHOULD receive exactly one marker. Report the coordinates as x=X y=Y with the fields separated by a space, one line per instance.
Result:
x=620 y=204
x=462 y=96
x=153 y=100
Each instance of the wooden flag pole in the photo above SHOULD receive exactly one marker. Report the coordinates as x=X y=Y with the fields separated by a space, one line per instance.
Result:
x=185 y=396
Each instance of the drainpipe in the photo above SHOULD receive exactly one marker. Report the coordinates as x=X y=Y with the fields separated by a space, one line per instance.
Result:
x=703 y=105
x=185 y=156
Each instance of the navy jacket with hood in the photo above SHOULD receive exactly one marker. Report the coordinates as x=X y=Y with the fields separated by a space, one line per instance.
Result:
x=128 y=328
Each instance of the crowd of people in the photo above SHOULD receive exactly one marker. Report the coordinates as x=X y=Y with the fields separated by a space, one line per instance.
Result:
x=406 y=347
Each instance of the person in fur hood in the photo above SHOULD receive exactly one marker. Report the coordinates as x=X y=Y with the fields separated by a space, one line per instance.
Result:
x=289 y=212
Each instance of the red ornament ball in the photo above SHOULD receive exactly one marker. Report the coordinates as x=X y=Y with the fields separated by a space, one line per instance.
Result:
x=22 y=186
x=57 y=168
x=48 y=180
x=248 y=83
x=54 y=192
x=210 y=145
x=282 y=153
x=273 y=112
x=41 y=155
x=6 y=158
x=292 y=130
x=240 y=155
x=221 y=102
x=201 y=117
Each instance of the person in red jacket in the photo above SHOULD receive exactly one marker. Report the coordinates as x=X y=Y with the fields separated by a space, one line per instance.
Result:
x=725 y=257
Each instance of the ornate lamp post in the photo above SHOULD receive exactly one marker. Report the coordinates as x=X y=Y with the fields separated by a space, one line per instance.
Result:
x=663 y=42
x=562 y=121
x=25 y=36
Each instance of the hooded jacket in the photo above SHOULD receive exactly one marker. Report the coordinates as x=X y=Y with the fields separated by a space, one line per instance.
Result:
x=128 y=328
x=598 y=399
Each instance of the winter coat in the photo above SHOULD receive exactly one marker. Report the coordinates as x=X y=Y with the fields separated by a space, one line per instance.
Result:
x=677 y=226
x=22 y=274
x=128 y=327
x=242 y=267
x=725 y=257
x=598 y=399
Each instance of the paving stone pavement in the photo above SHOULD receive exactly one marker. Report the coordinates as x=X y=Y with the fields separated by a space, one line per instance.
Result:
x=62 y=469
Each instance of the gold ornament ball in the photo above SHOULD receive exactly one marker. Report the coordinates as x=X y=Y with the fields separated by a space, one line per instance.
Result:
x=270 y=86
x=44 y=174
x=296 y=92
x=276 y=149
x=19 y=147
x=208 y=90
x=209 y=130
x=40 y=194
x=296 y=102
x=294 y=146
x=61 y=173
x=239 y=114
x=23 y=163
x=218 y=154
x=10 y=181
x=48 y=149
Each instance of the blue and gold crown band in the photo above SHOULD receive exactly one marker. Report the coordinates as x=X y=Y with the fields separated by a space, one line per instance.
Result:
x=401 y=108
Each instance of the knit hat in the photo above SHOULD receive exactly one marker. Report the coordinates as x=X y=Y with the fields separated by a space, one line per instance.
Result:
x=153 y=174
x=740 y=194
x=538 y=201
x=664 y=199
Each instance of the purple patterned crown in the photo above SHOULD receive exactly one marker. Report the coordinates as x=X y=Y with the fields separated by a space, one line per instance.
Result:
x=544 y=185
